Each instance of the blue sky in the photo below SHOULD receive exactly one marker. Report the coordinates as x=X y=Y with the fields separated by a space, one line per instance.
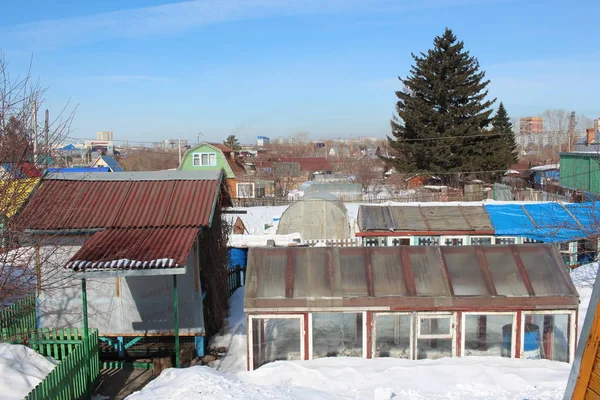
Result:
x=150 y=70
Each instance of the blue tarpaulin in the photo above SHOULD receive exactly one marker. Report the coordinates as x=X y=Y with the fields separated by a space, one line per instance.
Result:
x=546 y=222
x=78 y=169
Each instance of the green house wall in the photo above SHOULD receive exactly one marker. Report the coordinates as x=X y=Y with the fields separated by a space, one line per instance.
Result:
x=188 y=165
x=580 y=171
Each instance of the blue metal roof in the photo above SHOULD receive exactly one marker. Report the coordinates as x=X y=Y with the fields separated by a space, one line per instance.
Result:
x=78 y=169
x=112 y=164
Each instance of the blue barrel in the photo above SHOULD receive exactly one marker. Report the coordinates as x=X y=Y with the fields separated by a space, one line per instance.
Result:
x=237 y=257
x=531 y=341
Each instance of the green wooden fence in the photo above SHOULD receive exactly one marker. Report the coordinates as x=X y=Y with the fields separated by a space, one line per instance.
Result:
x=75 y=374
x=18 y=318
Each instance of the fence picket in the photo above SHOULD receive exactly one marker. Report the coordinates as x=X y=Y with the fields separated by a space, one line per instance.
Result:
x=68 y=379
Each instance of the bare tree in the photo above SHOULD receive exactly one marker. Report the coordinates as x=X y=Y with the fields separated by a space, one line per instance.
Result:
x=22 y=163
x=366 y=171
x=149 y=160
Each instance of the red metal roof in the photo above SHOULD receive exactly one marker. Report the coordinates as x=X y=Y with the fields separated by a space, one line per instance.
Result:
x=144 y=248
x=222 y=147
x=87 y=204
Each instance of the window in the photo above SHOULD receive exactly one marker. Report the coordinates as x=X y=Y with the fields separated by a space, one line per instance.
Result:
x=547 y=336
x=453 y=241
x=435 y=336
x=428 y=241
x=481 y=240
x=528 y=240
x=393 y=333
x=276 y=338
x=204 y=159
x=375 y=241
x=245 y=190
x=568 y=252
x=488 y=334
x=506 y=240
x=337 y=335
x=401 y=242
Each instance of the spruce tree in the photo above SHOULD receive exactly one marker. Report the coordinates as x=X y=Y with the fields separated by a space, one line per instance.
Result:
x=442 y=112
x=232 y=142
x=504 y=129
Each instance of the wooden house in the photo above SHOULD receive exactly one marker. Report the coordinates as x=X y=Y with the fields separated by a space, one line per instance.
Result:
x=132 y=236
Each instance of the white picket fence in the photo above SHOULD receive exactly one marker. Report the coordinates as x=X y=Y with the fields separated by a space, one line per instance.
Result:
x=353 y=242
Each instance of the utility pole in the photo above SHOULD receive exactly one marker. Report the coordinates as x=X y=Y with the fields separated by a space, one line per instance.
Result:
x=571 y=131
x=46 y=133
x=35 y=132
x=179 y=146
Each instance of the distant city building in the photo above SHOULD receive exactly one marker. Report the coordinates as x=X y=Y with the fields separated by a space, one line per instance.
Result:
x=104 y=135
x=534 y=125
x=100 y=146
x=171 y=144
x=597 y=125
x=262 y=141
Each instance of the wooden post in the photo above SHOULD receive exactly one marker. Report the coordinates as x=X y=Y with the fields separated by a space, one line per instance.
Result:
x=176 y=320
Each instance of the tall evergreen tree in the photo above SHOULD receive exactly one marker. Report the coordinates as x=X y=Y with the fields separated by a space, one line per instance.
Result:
x=232 y=142
x=508 y=146
x=442 y=112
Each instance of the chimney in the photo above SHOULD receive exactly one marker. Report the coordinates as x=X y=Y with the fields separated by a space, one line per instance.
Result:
x=590 y=136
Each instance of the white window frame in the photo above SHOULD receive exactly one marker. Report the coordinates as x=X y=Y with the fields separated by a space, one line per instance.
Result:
x=443 y=239
x=374 y=332
x=439 y=239
x=274 y=316
x=237 y=190
x=470 y=243
x=513 y=343
x=364 y=330
x=199 y=157
x=516 y=239
x=572 y=333
x=391 y=239
x=452 y=335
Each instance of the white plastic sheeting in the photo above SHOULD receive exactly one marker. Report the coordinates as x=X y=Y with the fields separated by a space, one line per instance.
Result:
x=126 y=305
x=316 y=216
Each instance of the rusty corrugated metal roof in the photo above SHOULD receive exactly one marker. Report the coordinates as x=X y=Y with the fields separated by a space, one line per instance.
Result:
x=123 y=200
x=423 y=219
x=409 y=278
x=144 y=248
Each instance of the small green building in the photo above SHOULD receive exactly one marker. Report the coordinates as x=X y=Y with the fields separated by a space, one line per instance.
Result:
x=580 y=170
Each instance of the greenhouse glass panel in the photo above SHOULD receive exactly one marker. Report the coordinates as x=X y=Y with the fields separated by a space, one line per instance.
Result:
x=465 y=273
x=388 y=274
x=546 y=336
x=337 y=335
x=505 y=274
x=544 y=279
x=275 y=339
x=429 y=280
x=393 y=335
x=488 y=335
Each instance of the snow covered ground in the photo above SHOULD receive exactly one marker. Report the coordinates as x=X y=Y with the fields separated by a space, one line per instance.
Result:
x=21 y=369
x=357 y=378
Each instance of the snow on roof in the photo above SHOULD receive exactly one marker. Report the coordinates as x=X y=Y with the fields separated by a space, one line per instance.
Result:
x=243 y=241
x=545 y=167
